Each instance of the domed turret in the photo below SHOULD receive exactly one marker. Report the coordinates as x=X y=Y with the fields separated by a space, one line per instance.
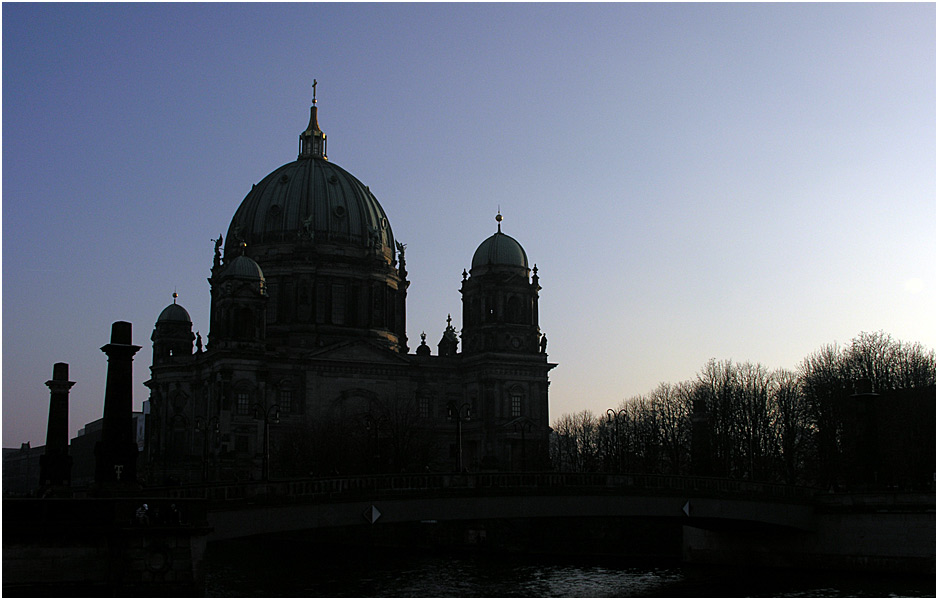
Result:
x=500 y=299
x=501 y=250
x=174 y=313
x=243 y=267
x=172 y=334
x=239 y=300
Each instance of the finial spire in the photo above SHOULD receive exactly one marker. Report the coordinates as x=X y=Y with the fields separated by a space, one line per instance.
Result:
x=315 y=83
x=175 y=295
x=498 y=219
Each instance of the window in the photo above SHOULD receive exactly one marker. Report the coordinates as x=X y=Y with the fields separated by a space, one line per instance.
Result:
x=286 y=401
x=321 y=302
x=338 y=304
x=514 y=310
x=423 y=405
x=245 y=323
x=243 y=402
x=515 y=405
x=271 y=302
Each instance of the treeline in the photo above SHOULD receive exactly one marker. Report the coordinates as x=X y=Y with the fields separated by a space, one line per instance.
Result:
x=745 y=421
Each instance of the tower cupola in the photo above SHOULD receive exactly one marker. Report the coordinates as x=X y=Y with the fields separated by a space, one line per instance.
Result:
x=172 y=334
x=313 y=140
x=500 y=298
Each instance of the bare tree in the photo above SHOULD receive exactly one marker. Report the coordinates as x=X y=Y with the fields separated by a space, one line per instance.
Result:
x=576 y=444
x=756 y=439
x=824 y=380
x=673 y=404
x=791 y=424
x=743 y=420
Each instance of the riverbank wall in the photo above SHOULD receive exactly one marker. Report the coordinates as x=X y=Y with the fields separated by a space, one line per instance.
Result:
x=99 y=547
x=874 y=532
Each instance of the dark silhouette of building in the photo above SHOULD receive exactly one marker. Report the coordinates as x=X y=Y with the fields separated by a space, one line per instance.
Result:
x=307 y=367
x=21 y=469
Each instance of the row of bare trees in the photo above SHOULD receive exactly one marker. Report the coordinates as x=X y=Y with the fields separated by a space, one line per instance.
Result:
x=743 y=420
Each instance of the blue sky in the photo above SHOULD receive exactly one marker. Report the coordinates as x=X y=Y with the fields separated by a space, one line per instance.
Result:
x=742 y=181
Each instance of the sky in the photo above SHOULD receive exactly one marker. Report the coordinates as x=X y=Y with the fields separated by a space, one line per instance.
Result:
x=733 y=181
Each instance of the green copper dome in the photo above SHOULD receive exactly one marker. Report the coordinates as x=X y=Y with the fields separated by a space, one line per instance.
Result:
x=243 y=267
x=174 y=312
x=312 y=200
x=500 y=249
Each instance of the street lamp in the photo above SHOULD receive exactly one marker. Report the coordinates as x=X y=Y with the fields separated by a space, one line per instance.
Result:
x=202 y=426
x=457 y=413
x=613 y=417
x=275 y=409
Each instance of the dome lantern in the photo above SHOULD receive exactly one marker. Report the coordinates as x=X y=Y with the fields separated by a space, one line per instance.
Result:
x=313 y=140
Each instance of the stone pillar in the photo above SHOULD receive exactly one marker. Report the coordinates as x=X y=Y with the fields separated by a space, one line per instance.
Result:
x=116 y=453
x=55 y=465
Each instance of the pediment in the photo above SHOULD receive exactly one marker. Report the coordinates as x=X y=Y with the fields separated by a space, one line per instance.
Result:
x=359 y=351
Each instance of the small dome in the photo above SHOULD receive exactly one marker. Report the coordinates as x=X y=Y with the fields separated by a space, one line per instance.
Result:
x=500 y=249
x=174 y=313
x=244 y=267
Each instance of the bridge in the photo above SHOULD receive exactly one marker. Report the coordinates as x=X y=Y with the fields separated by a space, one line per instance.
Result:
x=246 y=509
x=695 y=519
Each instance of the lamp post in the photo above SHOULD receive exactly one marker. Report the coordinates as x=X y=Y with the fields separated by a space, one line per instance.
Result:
x=275 y=409
x=204 y=427
x=523 y=426
x=457 y=413
x=613 y=417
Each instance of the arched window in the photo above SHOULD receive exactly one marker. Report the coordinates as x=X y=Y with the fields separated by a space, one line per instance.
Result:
x=514 y=310
x=243 y=397
x=475 y=312
x=286 y=398
x=244 y=323
x=423 y=403
x=178 y=437
x=515 y=401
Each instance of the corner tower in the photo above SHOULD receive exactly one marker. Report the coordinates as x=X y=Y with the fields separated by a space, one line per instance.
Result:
x=499 y=297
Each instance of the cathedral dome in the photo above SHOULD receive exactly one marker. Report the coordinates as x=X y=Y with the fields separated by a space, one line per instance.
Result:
x=500 y=249
x=313 y=200
x=310 y=201
x=319 y=253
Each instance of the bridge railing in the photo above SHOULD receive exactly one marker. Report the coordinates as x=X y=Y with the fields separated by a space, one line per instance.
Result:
x=354 y=487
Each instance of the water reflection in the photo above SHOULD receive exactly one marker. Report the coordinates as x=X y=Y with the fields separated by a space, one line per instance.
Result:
x=268 y=568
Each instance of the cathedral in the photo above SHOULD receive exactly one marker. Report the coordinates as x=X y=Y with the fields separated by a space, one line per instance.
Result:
x=307 y=370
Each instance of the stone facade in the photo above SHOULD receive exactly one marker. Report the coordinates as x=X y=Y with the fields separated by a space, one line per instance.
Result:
x=307 y=369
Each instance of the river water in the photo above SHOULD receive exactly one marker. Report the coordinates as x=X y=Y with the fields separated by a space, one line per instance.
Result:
x=277 y=568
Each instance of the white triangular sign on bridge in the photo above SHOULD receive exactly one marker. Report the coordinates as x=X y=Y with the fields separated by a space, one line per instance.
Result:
x=372 y=514
x=686 y=508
